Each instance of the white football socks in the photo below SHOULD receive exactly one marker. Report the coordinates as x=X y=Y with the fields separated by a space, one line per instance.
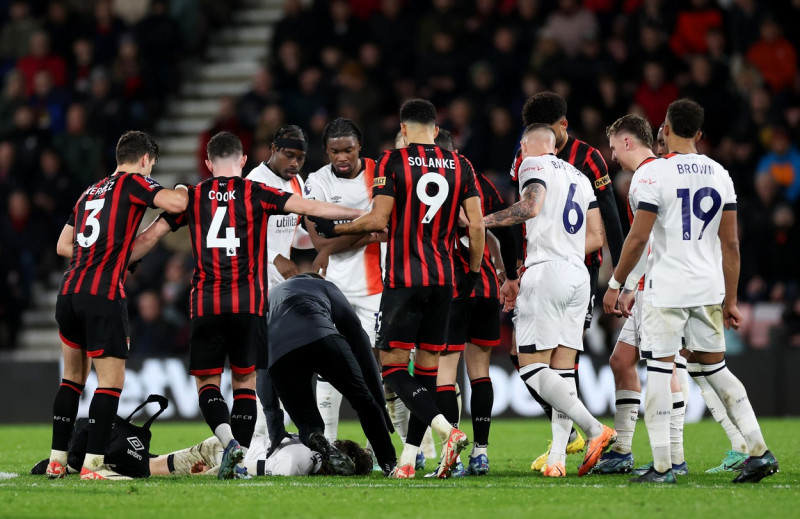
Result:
x=561 y=425
x=261 y=419
x=398 y=412
x=683 y=377
x=732 y=394
x=657 y=412
x=224 y=434
x=625 y=416
x=717 y=409
x=329 y=399
x=676 y=428
x=556 y=392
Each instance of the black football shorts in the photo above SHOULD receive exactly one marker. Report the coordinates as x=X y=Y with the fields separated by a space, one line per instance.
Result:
x=475 y=320
x=215 y=337
x=414 y=317
x=95 y=324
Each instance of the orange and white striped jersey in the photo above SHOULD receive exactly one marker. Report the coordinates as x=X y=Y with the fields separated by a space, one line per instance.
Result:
x=357 y=273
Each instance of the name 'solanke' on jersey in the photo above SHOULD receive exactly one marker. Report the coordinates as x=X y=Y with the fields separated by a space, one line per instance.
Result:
x=432 y=162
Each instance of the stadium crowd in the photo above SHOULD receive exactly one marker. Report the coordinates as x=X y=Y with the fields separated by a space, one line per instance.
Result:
x=75 y=79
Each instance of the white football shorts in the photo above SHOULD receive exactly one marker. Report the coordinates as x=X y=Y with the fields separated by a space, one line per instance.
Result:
x=663 y=329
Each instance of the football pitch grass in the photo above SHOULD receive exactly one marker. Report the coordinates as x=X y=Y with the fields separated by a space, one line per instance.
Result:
x=510 y=490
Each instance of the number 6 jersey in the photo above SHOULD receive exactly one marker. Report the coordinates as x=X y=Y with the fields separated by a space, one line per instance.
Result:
x=558 y=233
x=428 y=184
x=688 y=192
x=227 y=220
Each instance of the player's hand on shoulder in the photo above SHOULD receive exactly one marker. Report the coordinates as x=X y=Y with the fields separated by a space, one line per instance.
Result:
x=286 y=267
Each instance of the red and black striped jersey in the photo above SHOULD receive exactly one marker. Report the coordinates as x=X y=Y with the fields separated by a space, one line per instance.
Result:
x=106 y=218
x=227 y=220
x=488 y=285
x=428 y=184
x=590 y=162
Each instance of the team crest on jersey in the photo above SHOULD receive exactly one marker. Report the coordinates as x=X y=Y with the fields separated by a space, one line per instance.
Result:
x=307 y=189
x=603 y=181
x=379 y=182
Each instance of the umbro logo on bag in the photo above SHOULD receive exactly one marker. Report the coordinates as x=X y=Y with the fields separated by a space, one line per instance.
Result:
x=136 y=443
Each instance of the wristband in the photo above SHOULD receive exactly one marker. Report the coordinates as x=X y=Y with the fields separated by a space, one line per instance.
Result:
x=613 y=284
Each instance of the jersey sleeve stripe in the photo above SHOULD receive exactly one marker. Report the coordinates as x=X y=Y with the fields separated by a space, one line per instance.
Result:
x=729 y=207
x=644 y=206
x=534 y=181
x=593 y=204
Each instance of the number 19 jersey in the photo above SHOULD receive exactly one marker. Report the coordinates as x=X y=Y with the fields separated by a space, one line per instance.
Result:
x=558 y=233
x=227 y=220
x=428 y=184
x=688 y=192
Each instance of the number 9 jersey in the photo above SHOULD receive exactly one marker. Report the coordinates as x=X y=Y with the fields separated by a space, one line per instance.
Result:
x=428 y=184
x=688 y=192
x=558 y=233
x=227 y=220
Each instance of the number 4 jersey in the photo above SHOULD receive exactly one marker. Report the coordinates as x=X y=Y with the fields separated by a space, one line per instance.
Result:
x=688 y=192
x=106 y=218
x=227 y=220
x=428 y=184
x=558 y=233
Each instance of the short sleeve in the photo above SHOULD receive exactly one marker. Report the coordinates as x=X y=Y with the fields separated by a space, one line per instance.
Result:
x=175 y=221
x=71 y=219
x=272 y=200
x=532 y=170
x=596 y=170
x=492 y=201
x=470 y=187
x=143 y=189
x=383 y=184
x=647 y=192
x=514 y=173
x=315 y=188
x=730 y=195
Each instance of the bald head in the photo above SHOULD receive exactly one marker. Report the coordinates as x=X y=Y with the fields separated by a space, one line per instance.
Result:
x=538 y=139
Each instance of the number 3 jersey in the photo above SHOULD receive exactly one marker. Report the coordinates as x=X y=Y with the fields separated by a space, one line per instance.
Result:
x=428 y=184
x=227 y=220
x=558 y=233
x=688 y=192
x=106 y=218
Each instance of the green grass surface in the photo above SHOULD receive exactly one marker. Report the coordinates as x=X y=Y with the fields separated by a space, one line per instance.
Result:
x=510 y=490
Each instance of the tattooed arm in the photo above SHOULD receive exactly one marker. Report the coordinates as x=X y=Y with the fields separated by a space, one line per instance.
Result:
x=527 y=208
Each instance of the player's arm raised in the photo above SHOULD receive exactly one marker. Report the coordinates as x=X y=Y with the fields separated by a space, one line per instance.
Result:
x=172 y=200
x=729 y=242
x=529 y=207
x=64 y=245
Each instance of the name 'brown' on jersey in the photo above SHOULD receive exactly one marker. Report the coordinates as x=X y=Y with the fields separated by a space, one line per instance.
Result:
x=106 y=218
x=227 y=221
x=428 y=184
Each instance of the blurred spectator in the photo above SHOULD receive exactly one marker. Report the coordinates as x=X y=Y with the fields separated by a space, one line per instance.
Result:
x=392 y=28
x=40 y=58
x=53 y=193
x=294 y=22
x=774 y=57
x=106 y=32
x=271 y=118
x=11 y=300
x=440 y=70
x=782 y=163
x=547 y=60
x=105 y=113
x=80 y=68
x=744 y=21
x=692 y=25
x=570 y=24
x=82 y=151
x=503 y=136
x=16 y=34
x=612 y=101
x=302 y=103
x=10 y=175
x=755 y=220
x=62 y=27
x=712 y=97
x=27 y=138
x=253 y=102
x=783 y=252
x=226 y=121
x=13 y=97
x=443 y=18
x=527 y=18
x=129 y=77
x=469 y=136
x=482 y=24
x=655 y=93
x=49 y=103
x=21 y=230
x=151 y=334
x=288 y=63
x=652 y=47
x=790 y=330
x=342 y=30
x=176 y=290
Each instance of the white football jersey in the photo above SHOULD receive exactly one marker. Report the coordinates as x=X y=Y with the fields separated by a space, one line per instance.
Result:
x=688 y=192
x=559 y=232
x=281 y=230
x=357 y=273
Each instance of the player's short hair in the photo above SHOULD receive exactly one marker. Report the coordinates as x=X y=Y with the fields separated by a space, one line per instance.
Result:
x=224 y=145
x=290 y=133
x=420 y=111
x=539 y=127
x=133 y=145
x=341 y=127
x=445 y=140
x=685 y=117
x=360 y=456
x=635 y=125
x=545 y=108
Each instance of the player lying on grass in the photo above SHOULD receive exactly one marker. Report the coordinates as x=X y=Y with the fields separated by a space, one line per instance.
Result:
x=290 y=458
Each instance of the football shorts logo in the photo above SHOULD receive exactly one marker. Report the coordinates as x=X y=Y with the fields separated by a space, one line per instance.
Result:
x=379 y=182
x=602 y=181
x=136 y=443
